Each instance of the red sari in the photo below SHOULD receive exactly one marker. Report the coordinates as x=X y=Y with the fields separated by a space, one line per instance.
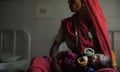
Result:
x=100 y=25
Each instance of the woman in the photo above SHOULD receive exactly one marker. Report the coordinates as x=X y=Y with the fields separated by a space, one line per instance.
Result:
x=85 y=29
x=91 y=27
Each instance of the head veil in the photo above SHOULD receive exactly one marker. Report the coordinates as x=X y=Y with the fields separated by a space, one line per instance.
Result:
x=100 y=24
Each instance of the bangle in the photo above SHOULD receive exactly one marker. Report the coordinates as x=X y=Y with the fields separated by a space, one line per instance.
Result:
x=89 y=51
x=81 y=63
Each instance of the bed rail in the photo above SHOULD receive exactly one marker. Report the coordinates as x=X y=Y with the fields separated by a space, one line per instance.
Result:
x=16 y=42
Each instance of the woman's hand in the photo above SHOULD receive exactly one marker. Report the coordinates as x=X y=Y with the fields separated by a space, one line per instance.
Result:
x=55 y=66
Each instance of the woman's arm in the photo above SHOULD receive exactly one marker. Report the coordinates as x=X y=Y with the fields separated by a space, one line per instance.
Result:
x=58 y=40
x=54 y=49
x=53 y=55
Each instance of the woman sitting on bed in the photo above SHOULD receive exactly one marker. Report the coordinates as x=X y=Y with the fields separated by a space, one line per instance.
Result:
x=86 y=28
x=91 y=31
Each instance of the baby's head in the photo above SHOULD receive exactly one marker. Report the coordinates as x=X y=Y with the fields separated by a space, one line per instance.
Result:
x=101 y=60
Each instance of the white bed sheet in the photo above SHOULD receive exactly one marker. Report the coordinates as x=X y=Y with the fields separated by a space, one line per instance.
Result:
x=11 y=62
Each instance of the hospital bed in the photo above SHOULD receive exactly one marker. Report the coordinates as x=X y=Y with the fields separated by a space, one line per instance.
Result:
x=15 y=49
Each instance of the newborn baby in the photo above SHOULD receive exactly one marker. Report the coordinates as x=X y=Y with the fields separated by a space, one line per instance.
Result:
x=70 y=61
x=101 y=60
x=97 y=61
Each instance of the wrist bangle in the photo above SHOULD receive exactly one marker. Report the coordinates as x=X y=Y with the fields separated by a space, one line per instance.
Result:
x=81 y=63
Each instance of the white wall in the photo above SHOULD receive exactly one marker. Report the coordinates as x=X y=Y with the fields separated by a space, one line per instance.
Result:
x=112 y=10
x=19 y=14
